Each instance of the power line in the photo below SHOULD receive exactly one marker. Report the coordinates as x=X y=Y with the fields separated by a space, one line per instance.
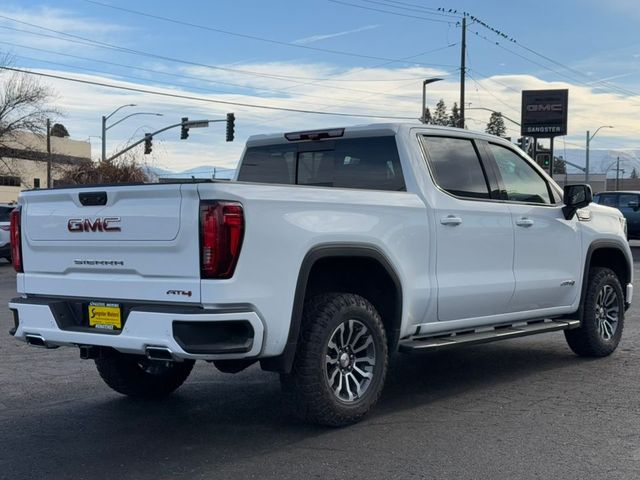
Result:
x=604 y=84
x=419 y=10
x=85 y=41
x=241 y=35
x=276 y=77
x=511 y=107
x=199 y=99
x=390 y=12
x=170 y=84
x=187 y=77
x=431 y=10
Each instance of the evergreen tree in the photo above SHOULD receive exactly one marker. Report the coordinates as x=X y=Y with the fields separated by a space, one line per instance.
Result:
x=455 y=118
x=559 y=165
x=428 y=119
x=59 y=130
x=496 y=125
x=634 y=173
x=440 y=116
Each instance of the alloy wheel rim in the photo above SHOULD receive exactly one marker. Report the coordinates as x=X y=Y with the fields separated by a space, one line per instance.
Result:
x=350 y=361
x=607 y=312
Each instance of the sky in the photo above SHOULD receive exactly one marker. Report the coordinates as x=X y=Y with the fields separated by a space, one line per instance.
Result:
x=352 y=57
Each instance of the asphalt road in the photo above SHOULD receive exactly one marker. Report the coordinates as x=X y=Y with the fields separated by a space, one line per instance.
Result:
x=525 y=408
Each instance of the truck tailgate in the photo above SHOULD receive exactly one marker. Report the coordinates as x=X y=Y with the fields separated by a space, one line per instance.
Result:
x=140 y=243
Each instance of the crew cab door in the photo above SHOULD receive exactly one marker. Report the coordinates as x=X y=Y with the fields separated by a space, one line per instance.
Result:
x=547 y=258
x=474 y=233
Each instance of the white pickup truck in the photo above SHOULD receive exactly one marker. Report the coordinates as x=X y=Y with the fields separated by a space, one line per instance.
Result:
x=332 y=250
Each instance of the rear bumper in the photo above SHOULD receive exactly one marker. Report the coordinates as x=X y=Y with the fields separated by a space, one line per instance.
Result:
x=188 y=334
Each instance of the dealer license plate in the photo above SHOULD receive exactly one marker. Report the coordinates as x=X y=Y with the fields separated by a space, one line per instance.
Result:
x=105 y=316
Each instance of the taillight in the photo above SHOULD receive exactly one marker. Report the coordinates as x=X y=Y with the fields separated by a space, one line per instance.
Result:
x=221 y=233
x=15 y=237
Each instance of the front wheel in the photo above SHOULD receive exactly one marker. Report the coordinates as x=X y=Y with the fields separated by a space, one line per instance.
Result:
x=602 y=316
x=341 y=361
x=137 y=376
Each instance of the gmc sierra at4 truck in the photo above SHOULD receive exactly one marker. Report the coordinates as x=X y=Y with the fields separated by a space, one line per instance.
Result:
x=330 y=251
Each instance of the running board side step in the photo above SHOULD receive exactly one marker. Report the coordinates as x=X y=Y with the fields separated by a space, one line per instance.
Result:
x=430 y=344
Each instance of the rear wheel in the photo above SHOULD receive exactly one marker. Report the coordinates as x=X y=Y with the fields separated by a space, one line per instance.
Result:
x=602 y=317
x=137 y=376
x=341 y=361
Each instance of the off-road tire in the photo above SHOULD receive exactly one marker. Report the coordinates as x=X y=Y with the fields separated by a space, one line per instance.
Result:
x=136 y=376
x=306 y=390
x=588 y=341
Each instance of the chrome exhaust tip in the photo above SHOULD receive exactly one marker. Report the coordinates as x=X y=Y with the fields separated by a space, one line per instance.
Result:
x=159 y=353
x=38 y=341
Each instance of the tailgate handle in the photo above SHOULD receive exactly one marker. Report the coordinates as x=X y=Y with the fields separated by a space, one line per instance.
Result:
x=89 y=199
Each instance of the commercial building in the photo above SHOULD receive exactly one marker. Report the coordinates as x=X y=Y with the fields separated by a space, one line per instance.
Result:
x=23 y=161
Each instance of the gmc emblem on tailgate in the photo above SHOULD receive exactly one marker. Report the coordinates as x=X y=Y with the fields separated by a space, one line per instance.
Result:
x=106 y=224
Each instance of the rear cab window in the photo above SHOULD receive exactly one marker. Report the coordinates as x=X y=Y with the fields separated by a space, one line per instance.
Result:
x=363 y=163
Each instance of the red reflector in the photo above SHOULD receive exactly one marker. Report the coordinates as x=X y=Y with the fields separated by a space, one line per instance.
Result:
x=15 y=238
x=222 y=230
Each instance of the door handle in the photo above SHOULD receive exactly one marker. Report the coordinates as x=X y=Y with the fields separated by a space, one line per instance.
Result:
x=524 y=222
x=451 y=220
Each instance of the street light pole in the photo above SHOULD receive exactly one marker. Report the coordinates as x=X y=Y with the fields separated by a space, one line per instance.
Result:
x=423 y=117
x=586 y=163
x=104 y=128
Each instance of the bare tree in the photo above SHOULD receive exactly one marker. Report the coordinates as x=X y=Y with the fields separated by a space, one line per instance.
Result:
x=25 y=106
x=124 y=169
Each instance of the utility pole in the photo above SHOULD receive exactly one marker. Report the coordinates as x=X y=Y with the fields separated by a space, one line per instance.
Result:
x=586 y=163
x=103 y=157
x=617 y=174
x=48 y=153
x=551 y=158
x=463 y=68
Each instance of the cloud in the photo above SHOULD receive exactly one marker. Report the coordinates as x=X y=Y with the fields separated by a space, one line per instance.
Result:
x=357 y=91
x=16 y=27
x=317 y=38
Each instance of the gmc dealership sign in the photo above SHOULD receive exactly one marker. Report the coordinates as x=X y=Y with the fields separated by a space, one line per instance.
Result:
x=544 y=113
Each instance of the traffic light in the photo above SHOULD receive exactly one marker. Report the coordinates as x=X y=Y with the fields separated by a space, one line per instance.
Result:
x=231 y=126
x=184 y=134
x=543 y=159
x=147 y=143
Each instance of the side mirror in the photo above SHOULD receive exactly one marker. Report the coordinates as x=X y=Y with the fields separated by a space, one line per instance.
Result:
x=633 y=205
x=575 y=197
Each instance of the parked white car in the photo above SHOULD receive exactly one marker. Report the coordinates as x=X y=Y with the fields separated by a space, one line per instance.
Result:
x=5 y=241
x=332 y=250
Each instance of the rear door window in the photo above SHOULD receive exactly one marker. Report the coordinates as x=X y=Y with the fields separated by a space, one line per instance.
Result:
x=456 y=168
x=363 y=163
x=625 y=199
x=608 y=199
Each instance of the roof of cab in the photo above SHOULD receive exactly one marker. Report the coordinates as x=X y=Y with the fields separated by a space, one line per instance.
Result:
x=370 y=130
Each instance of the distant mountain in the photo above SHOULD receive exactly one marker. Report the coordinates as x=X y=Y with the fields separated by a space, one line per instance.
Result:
x=601 y=160
x=205 y=171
